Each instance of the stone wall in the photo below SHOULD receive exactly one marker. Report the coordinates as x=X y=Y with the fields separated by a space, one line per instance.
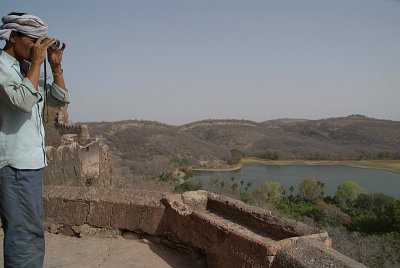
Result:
x=226 y=231
x=74 y=159
x=72 y=164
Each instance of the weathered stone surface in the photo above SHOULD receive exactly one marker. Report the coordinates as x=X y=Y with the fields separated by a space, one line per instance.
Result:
x=258 y=219
x=176 y=204
x=66 y=211
x=102 y=207
x=226 y=244
x=125 y=216
x=61 y=205
x=306 y=252
x=100 y=214
x=195 y=199
x=62 y=192
x=75 y=159
x=150 y=220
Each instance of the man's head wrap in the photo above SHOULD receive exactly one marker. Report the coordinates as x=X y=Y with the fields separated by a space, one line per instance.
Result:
x=26 y=24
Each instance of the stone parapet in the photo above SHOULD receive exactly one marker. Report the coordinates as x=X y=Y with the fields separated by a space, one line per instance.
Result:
x=226 y=231
x=103 y=208
x=259 y=219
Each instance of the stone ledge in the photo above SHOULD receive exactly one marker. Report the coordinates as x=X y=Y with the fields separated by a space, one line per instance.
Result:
x=259 y=218
x=102 y=207
x=227 y=231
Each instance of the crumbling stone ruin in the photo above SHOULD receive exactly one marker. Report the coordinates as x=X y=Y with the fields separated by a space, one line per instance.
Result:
x=74 y=158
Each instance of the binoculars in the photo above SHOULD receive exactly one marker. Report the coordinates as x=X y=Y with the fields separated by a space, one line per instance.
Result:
x=57 y=44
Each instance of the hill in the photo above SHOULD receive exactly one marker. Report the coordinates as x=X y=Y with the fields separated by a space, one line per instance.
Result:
x=150 y=148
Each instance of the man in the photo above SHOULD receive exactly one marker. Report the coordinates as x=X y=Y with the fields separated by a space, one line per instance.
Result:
x=22 y=149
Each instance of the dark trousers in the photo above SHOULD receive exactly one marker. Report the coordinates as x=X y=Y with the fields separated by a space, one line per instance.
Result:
x=21 y=209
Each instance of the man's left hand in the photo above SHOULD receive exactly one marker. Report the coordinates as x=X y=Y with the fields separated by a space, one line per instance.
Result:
x=55 y=57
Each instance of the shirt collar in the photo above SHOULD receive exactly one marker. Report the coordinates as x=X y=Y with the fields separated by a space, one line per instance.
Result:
x=13 y=63
x=8 y=59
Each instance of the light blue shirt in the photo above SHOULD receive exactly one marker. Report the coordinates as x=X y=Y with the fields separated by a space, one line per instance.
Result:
x=21 y=128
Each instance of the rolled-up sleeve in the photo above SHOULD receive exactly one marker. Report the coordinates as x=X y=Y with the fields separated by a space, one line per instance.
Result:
x=60 y=94
x=19 y=96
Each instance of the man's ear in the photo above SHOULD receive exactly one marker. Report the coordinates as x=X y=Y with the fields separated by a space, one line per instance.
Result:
x=11 y=39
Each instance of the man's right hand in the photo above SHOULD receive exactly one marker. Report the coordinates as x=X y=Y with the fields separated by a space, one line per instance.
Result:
x=39 y=49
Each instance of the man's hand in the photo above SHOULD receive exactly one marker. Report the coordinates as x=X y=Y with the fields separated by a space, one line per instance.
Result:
x=39 y=49
x=55 y=57
x=38 y=55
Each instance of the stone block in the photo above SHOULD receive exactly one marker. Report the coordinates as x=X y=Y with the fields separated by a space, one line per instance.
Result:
x=65 y=211
x=100 y=214
x=151 y=219
x=126 y=216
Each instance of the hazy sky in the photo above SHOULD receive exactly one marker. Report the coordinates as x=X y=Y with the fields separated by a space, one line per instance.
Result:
x=182 y=61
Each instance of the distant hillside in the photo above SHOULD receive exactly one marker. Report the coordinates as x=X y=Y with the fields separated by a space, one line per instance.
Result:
x=152 y=148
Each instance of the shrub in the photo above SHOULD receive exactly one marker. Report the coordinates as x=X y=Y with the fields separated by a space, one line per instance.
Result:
x=166 y=177
x=188 y=185
x=246 y=198
x=89 y=182
x=272 y=154
x=295 y=209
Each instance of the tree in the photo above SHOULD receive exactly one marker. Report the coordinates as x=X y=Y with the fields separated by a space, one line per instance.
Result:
x=375 y=214
x=373 y=203
x=271 y=191
x=332 y=214
x=272 y=154
x=391 y=218
x=347 y=193
x=236 y=156
x=234 y=187
x=247 y=186
x=291 y=190
x=311 y=189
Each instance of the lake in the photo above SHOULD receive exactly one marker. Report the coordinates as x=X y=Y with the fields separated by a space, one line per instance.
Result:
x=373 y=180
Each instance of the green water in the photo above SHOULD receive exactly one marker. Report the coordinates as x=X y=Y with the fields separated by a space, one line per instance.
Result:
x=373 y=180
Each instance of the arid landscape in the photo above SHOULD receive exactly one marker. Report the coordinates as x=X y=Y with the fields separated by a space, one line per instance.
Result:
x=154 y=156
x=150 y=149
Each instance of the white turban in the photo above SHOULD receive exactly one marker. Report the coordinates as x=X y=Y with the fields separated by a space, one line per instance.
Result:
x=26 y=24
